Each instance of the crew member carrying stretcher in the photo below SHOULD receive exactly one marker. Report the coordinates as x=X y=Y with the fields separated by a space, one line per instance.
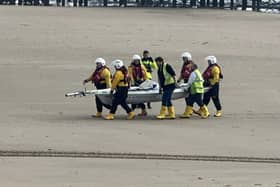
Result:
x=185 y=73
x=138 y=74
x=120 y=86
x=195 y=84
x=212 y=76
x=150 y=65
x=101 y=78
x=167 y=82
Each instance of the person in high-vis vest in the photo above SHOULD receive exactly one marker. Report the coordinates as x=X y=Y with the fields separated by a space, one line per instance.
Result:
x=185 y=73
x=150 y=65
x=138 y=74
x=212 y=76
x=120 y=86
x=167 y=82
x=101 y=78
x=195 y=83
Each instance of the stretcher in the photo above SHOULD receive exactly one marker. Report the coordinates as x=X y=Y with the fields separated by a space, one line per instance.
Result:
x=148 y=91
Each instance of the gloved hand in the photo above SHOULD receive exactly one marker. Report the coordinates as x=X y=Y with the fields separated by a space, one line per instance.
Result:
x=84 y=82
x=111 y=92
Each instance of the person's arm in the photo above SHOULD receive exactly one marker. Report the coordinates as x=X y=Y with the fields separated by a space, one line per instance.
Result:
x=130 y=74
x=171 y=71
x=88 y=79
x=116 y=80
x=191 y=79
x=215 y=73
x=106 y=74
x=180 y=77
x=145 y=72
x=153 y=64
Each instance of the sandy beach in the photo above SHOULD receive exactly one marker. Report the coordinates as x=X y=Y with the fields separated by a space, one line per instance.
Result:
x=47 y=51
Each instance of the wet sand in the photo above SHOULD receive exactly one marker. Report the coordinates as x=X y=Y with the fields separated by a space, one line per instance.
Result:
x=46 y=52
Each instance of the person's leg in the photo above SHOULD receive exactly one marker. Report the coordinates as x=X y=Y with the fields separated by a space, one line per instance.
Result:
x=207 y=96
x=203 y=109
x=133 y=106
x=171 y=109
x=186 y=108
x=115 y=102
x=123 y=96
x=206 y=99
x=216 y=100
x=189 y=108
x=163 y=105
x=98 y=107
x=143 y=109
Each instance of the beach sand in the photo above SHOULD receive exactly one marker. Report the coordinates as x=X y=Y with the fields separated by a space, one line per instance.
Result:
x=48 y=51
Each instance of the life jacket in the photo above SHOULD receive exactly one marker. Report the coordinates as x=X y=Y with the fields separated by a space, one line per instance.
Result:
x=207 y=73
x=96 y=76
x=138 y=72
x=186 y=71
x=147 y=63
x=168 y=79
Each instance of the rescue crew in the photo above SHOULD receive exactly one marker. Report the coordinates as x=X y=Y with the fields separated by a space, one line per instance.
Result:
x=101 y=78
x=150 y=65
x=167 y=82
x=212 y=76
x=137 y=74
x=119 y=89
x=195 y=83
x=185 y=74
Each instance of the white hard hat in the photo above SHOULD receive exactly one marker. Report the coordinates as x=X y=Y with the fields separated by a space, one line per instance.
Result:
x=117 y=64
x=100 y=61
x=136 y=57
x=211 y=60
x=187 y=55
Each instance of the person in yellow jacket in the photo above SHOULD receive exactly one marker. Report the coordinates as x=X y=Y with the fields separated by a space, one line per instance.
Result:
x=101 y=78
x=150 y=65
x=195 y=83
x=120 y=85
x=212 y=76
x=167 y=82
x=138 y=74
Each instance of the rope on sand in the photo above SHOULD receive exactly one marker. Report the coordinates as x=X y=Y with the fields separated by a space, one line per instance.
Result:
x=146 y=156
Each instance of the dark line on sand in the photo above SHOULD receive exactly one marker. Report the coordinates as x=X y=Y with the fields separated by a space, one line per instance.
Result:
x=144 y=156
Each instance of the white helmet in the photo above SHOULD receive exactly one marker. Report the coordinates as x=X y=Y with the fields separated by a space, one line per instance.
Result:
x=136 y=57
x=211 y=60
x=100 y=61
x=187 y=55
x=117 y=64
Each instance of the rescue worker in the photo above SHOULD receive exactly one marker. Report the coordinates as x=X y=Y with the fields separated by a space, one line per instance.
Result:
x=195 y=83
x=137 y=74
x=212 y=76
x=101 y=78
x=120 y=86
x=185 y=74
x=150 y=65
x=167 y=82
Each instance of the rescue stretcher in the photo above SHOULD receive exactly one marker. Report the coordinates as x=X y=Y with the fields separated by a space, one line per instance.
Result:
x=148 y=91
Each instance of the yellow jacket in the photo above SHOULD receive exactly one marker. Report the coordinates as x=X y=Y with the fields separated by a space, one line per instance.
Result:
x=106 y=75
x=215 y=75
x=118 y=80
